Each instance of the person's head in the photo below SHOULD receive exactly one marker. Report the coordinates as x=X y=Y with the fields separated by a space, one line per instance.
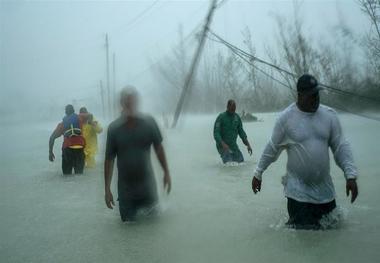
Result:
x=83 y=110
x=308 y=93
x=231 y=106
x=69 y=109
x=129 y=100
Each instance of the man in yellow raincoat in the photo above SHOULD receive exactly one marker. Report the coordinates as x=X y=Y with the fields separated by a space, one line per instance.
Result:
x=90 y=130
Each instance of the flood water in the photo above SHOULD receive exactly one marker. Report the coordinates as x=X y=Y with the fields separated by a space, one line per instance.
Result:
x=210 y=216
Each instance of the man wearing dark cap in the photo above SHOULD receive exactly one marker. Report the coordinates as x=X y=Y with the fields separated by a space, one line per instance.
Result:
x=306 y=130
x=73 y=141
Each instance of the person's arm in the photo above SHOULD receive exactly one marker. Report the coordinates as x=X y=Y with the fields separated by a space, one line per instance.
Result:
x=108 y=168
x=218 y=134
x=343 y=156
x=97 y=127
x=56 y=134
x=243 y=136
x=160 y=152
x=271 y=152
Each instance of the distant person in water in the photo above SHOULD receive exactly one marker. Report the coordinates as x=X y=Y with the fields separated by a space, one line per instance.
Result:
x=306 y=130
x=227 y=127
x=73 y=141
x=129 y=139
x=91 y=128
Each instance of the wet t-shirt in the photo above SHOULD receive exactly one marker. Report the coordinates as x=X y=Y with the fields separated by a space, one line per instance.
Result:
x=307 y=137
x=131 y=145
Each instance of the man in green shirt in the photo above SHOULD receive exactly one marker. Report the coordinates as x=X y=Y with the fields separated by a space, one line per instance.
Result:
x=227 y=127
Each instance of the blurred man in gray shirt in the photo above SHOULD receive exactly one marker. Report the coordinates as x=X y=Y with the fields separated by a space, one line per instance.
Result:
x=129 y=139
x=306 y=130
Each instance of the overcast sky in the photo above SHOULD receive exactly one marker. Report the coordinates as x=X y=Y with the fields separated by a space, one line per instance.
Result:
x=53 y=51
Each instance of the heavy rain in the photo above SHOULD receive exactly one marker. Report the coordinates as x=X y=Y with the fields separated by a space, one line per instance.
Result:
x=189 y=131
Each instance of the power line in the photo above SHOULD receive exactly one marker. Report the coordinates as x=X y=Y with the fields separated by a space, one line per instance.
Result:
x=236 y=52
x=263 y=72
x=285 y=85
x=231 y=46
x=141 y=14
x=240 y=53
x=254 y=58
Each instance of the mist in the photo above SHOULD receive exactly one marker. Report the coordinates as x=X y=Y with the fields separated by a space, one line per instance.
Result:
x=51 y=51
x=54 y=53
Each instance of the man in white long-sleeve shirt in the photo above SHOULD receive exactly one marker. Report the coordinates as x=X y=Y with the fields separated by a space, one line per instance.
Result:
x=306 y=130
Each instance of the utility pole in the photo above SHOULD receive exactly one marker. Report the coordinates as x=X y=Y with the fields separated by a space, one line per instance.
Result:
x=102 y=98
x=195 y=62
x=108 y=79
x=114 y=104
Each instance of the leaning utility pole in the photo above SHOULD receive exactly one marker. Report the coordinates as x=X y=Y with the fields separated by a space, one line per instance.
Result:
x=195 y=62
x=114 y=104
x=108 y=80
x=102 y=98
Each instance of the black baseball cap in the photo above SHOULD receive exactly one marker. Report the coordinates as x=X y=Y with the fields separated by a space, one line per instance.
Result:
x=308 y=84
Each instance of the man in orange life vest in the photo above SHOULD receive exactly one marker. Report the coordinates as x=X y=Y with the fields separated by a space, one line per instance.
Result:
x=73 y=141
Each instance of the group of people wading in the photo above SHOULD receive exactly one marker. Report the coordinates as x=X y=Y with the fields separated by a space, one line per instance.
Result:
x=305 y=129
x=80 y=143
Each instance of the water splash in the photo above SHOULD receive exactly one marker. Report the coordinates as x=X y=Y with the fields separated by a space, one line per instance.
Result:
x=234 y=164
x=280 y=224
x=334 y=219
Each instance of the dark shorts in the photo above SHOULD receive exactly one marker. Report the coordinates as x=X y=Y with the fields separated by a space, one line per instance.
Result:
x=72 y=158
x=235 y=156
x=306 y=215
x=129 y=208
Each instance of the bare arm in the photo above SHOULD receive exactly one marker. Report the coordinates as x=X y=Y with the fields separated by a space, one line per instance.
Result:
x=108 y=170
x=160 y=152
x=52 y=138
x=249 y=148
x=109 y=159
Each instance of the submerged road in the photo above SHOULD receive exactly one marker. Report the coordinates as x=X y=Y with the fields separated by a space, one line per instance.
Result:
x=210 y=216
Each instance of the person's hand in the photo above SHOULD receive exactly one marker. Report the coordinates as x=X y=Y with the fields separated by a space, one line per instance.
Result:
x=256 y=185
x=249 y=149
x=225 y=147
x=109 y=199
x=167 y=182
x=352 y=187
x=51 y=157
